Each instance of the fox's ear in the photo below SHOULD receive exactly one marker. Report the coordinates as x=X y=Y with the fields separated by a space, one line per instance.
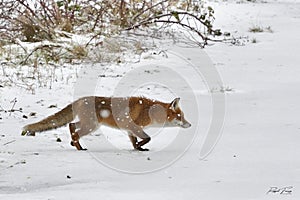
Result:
x=174 y=105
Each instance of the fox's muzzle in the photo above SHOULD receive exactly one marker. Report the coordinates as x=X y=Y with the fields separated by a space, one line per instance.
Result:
x=186 y=124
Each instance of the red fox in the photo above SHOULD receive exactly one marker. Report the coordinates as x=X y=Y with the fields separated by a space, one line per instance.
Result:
x=132 y=114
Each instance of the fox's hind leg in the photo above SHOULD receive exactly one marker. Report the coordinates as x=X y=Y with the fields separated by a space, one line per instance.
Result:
x=79 y=129
x=75 y=136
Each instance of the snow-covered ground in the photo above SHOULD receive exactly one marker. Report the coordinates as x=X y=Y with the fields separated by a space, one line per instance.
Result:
x=258 y=151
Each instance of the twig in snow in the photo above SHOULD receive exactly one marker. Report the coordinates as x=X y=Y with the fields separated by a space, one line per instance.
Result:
x=9 y=142
x=14 y=101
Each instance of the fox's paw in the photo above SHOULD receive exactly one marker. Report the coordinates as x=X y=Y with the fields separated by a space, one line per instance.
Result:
x=77 y=145
x=141 y=149
x=23 y=133
x=28 y=133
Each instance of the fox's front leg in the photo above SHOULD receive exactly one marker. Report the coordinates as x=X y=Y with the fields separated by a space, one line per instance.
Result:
x=138 y=145
x=133 y=140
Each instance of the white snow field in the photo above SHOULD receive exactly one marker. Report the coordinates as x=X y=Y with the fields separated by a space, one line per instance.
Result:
x=256 y=157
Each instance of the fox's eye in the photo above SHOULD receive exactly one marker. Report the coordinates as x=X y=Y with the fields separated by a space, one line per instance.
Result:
x=178 y=115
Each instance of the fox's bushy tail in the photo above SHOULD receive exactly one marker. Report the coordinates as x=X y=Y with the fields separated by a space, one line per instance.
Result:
x=56 y=120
